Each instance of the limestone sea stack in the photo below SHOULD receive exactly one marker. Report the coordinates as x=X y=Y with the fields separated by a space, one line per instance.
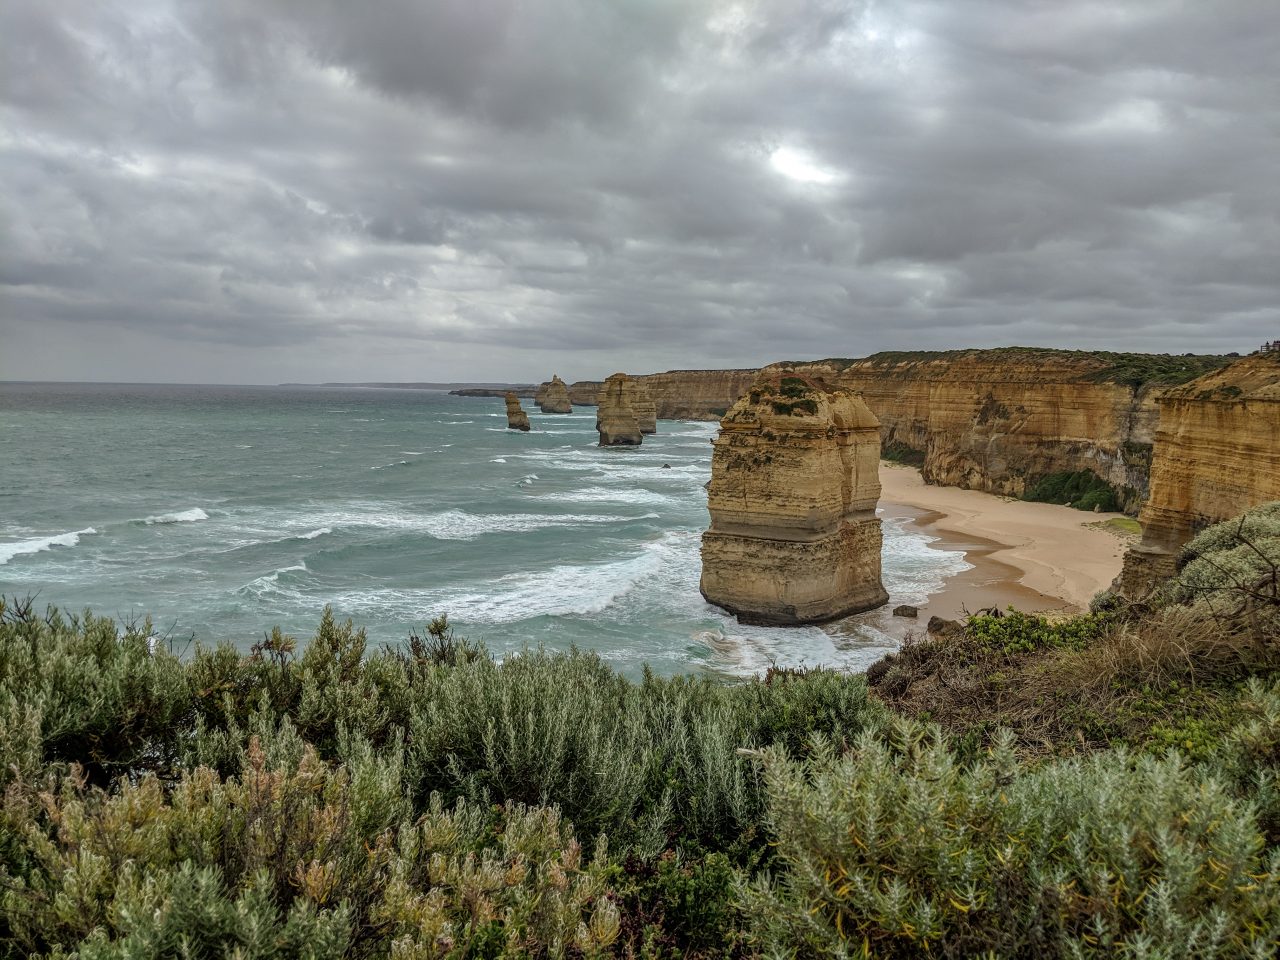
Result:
x=615 y=420
x=794 y=536
x=554 y=396
x=517 y=419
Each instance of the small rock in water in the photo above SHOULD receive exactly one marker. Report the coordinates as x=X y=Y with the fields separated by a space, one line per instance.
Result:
x=666 y=466
x=905 y=610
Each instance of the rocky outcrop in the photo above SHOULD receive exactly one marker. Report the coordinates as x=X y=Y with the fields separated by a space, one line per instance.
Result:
x=553 y=396
x=1000 y=420
x=517 y=419
x=794 y=536
x=615 y=420
x=1217 y=454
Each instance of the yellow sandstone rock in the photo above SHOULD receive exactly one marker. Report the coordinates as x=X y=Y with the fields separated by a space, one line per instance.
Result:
x=517 y=419
x=794 y=537
x=553 y=396
x=615 y=419
x=1217 y=453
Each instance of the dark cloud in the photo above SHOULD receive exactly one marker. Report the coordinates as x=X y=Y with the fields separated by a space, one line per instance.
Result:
x=262 y=190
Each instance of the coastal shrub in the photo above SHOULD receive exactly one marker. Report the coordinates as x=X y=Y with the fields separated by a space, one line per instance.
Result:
x=295 y=860
x=1016 y=632
x=1233 y=570
x=1082 y=489
x=896 y=849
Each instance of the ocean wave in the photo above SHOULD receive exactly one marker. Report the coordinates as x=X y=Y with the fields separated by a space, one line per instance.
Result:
x=270 y=583
x=413 y=453
x=320 y=532
x=612 y=495
x=180 y=516
x=398 y=463
x=20 y=548
x=497 y=460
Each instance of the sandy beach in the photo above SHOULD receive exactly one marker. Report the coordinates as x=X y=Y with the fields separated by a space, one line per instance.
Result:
x=1033 y=556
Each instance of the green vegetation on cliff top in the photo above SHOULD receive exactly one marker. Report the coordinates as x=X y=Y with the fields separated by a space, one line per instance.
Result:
x=1099 y=786
x=1101 y=366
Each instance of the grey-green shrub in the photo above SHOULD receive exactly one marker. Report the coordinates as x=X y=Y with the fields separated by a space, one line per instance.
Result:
x=895 y=849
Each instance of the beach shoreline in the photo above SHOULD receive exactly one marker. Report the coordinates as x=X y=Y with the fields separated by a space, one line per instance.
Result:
x=1037 y=557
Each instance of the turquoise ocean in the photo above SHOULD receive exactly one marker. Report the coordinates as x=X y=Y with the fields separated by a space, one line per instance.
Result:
x=223 y=511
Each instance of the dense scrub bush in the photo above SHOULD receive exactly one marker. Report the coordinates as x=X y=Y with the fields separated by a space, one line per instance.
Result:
x=895 y=849
x=1082 y=489
x=329 y=799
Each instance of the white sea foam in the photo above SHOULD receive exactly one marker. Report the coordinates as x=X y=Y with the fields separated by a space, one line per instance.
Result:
x=497 y=460
x=413 y=453
x=398 y=463
x=20 y=548
x=314 y=533
x=180 y=516
x=270 y=583
x=618 y=494
x=244 y=446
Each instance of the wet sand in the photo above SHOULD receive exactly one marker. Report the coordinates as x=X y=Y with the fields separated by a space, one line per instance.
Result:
x=1032 y=556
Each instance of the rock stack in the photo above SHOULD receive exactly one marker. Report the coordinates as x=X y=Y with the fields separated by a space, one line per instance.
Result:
x=794 y=537
x=553 y=396
x=615 y=420
x=517 y=419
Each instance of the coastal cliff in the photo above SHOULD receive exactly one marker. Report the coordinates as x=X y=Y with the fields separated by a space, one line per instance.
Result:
x=1002 y=420
x=615 y=420
x=794 y=536
x=553 y=396
x=1217 y=453
x=517 y=419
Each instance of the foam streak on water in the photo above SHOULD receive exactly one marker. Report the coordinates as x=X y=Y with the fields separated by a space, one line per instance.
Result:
x=224 y=511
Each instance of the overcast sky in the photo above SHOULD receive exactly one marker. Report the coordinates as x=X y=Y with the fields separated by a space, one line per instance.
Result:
x=272 y=190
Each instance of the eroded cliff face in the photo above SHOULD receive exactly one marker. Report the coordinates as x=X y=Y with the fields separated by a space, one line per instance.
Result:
x=585 y=393
x=553 y=396
x=517 y=419
x=697 y=394
x=794 y=482
x=999 y=420
x=641 y=402
x=615 y=420
x=1217 y=453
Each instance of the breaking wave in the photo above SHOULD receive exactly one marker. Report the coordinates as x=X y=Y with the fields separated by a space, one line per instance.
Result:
x=19 y=548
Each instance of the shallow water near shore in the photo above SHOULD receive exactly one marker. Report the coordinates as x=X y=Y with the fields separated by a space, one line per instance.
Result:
x=222 y=511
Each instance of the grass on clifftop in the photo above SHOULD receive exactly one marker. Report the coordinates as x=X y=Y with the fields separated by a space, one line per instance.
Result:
x=1101 y=786
x=1134 y=369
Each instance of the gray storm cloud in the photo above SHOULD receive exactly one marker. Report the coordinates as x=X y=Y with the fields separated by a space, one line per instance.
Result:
x=313 y=189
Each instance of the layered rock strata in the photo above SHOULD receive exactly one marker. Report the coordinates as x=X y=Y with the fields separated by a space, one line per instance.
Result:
x=1217 y=454
x=517 y=419
x=641 y=402
x=553 y=396
x=794 y=537
x=615 y=420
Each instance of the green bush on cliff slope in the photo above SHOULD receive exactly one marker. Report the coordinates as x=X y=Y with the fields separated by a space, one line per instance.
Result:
x=337 y=801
